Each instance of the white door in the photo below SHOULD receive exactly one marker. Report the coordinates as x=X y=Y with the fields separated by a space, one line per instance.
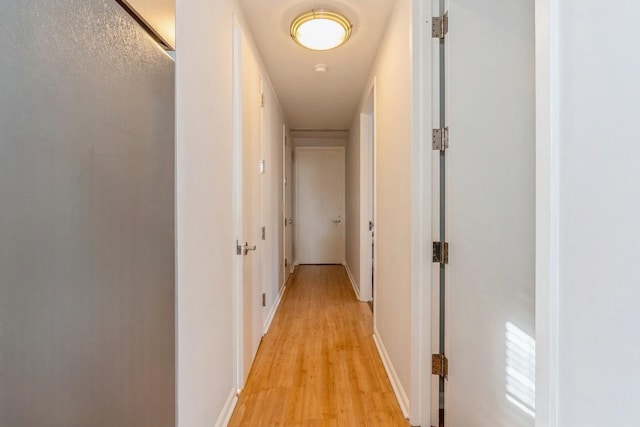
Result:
x=251 y=93
x=367 y=195
x=490 y=192
x=320 y=205
x=288 y=206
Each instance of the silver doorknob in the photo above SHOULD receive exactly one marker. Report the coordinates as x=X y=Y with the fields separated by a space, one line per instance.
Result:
x=246 y=248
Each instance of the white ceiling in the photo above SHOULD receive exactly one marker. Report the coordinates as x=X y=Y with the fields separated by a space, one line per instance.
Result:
x=313 y=100
x=160 y=15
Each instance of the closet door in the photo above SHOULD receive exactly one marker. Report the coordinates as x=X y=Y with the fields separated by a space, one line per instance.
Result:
x=490 y=213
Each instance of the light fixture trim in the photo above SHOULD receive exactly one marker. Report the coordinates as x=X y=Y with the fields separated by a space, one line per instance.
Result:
x=321 y=17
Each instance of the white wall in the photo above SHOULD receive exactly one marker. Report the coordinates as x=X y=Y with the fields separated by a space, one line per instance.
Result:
x=590 y=201
x=319 y=142
x=393 y=184
x=205 y=237
x=393 y=199
x=402 y=208
x=205 y=241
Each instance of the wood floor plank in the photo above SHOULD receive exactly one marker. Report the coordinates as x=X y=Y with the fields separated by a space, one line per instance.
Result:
x=318 y=365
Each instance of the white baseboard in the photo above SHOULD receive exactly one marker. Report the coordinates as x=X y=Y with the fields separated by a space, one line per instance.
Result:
x=353 y=282
x=227 y=409
x=272 y=313
x=401 y=396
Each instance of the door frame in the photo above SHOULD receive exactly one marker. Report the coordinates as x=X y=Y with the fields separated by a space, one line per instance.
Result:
x=432 y=407
x=237 y=187
x=546 y=205
x=237 y=294
x=283 y=216
x=296 y=197
x=367 y=194
x=423 y=281
x=286 y=185
x=547 y=213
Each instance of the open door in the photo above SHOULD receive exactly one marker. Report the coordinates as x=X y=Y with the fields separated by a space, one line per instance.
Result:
x=490 y=213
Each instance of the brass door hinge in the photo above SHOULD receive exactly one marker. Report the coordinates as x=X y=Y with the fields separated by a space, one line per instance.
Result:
x=441 y=252
x=439 y=365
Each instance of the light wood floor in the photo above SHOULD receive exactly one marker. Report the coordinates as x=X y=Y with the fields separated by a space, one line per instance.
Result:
x=318 y=365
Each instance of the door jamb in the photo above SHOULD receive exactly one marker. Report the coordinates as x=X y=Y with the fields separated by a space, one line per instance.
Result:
x=423 y=281
x=283 y=216
x=547 y=217
x=237 y=296
x=266 y=251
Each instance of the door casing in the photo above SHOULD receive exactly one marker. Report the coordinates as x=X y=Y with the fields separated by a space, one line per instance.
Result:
x=248 y=314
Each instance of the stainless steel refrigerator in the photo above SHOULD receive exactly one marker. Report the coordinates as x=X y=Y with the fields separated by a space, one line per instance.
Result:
x=86 y=218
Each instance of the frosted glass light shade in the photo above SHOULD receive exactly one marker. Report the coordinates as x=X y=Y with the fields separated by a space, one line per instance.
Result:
x=320 y=30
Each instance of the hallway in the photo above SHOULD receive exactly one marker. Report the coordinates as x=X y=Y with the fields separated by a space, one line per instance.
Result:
x=154 y=201
x=318 y=364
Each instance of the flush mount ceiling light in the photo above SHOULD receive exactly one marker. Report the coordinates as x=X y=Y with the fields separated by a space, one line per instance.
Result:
x=320 y=29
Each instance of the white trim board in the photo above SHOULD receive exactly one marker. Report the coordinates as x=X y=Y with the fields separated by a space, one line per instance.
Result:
x=367 y=211
x=547 y=216
x=227 y=409
x=238 y=308
x=425 y=113
x=398 y=390
x=353 y=282
x=274 y=309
